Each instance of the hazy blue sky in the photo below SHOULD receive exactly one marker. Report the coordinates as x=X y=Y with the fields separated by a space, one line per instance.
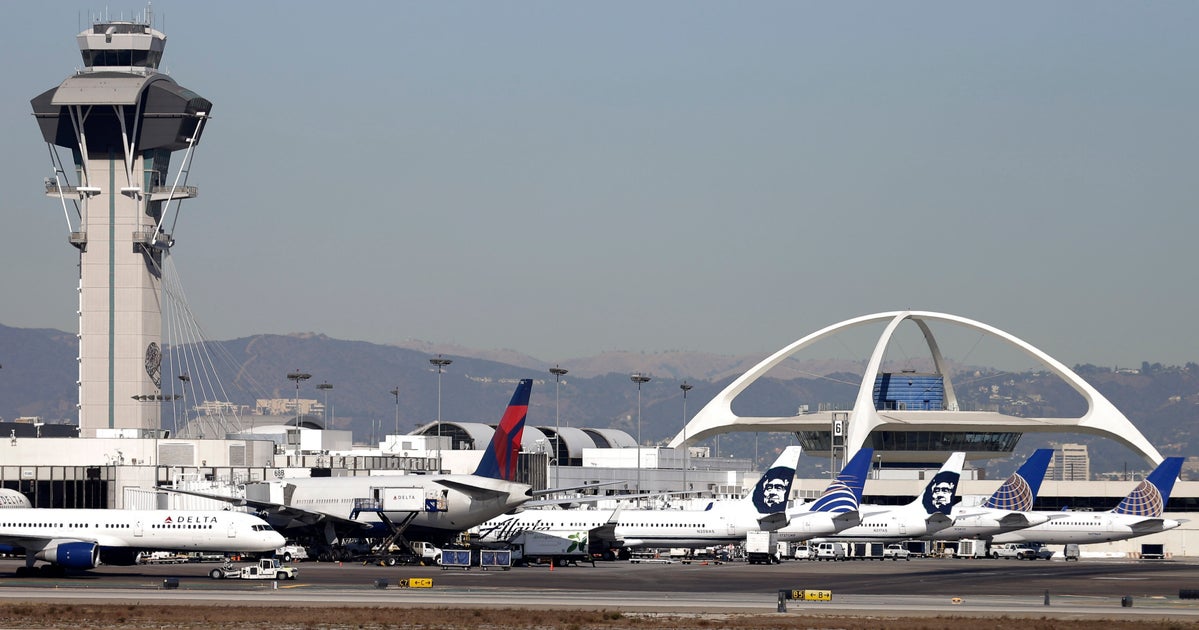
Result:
x=566 y=178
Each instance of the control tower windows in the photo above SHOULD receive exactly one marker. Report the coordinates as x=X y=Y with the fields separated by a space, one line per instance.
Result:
x=121 y=58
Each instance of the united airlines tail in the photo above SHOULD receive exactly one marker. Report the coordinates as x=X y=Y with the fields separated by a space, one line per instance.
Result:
x=772 y=491
x=499 y=460
x=1150 y=497
x=941 y=493
x=1019 y=491
x=844 y=494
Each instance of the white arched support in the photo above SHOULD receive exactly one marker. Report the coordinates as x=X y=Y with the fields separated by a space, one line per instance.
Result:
x=717 y=417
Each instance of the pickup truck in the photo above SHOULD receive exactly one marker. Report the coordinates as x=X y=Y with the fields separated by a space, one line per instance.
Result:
x=266 y=569
x=897 y=551
x=1020 y=551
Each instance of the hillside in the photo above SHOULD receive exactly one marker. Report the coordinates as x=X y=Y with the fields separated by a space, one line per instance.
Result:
x=38 y=374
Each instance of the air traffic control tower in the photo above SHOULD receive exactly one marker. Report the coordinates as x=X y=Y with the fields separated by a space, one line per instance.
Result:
x=121 y=120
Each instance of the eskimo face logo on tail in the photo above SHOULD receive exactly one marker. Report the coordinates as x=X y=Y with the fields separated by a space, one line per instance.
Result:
x=770 y=495
x=941 y=492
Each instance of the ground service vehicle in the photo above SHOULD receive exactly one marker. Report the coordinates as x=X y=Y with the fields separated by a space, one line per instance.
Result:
x=761 y=547
x=896 y=551
x=971 y=548
x=266 y=569
x=288 y=553
x=535 y=547
x=830 y=551
x=1019 y=551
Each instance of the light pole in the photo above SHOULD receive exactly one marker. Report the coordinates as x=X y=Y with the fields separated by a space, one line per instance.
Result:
x=639 y=378
x=396 y=392
x=686 y=387
x=298 y=377
x=440 y=362
x=558 y=374
x=325 y=387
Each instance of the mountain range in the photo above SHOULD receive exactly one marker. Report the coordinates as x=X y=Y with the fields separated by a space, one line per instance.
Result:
x=38 y=372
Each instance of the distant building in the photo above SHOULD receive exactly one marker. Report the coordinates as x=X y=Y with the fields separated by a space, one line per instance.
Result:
x=1071 y=462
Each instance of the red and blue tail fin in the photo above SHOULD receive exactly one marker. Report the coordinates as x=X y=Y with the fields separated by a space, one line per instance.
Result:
x=1019 y=492
x=499 y=460
x=1150 y=497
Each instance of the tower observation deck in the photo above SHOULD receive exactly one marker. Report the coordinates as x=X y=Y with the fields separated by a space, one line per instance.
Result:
x=121 y=120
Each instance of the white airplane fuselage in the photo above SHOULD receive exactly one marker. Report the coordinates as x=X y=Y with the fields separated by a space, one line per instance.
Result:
x=986 y=523
x=891 y=525
x=723 y=524
x=1088 y=527
x=458 y=502
x=81 y=538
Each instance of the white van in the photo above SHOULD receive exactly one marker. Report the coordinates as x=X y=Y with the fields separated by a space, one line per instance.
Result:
x=830 y=551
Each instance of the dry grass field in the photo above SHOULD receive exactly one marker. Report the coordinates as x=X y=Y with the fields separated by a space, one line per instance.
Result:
x=146 y=616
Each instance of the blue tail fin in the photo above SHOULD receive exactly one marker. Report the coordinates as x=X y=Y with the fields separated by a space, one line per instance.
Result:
x=941 y=493
x=844 y=494
x=772 y=491
x=499 y=461
x=1019 y=492
x=1150 y=497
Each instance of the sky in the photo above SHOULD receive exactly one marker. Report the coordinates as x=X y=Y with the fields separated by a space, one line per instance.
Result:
x=568 y=178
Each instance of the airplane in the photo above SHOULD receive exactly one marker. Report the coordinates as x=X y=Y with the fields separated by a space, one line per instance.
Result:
x=430 y=508
x=1138 y=514
x=836 y=509
x=13 y=499
x=1009 y=508
x=86 y=538
x=928 y=514
x=720 y=523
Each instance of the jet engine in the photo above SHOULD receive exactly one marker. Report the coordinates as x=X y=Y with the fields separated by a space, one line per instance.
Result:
x=73 y=555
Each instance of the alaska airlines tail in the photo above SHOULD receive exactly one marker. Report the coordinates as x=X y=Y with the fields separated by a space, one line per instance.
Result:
x=1150 y=497
x=772 y=491
x=1019 y=491
x=941 y=493
x=844 y=494
x=499 y=460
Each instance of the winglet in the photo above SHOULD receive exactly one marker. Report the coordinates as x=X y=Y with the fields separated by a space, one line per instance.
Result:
x=499 y=460
x=772 y=491
x=844 y=494
x=1019 y=491
x=1150 y=496
x=941 y=493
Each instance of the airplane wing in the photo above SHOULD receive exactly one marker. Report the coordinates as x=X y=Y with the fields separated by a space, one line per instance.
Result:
x=275 y=512
x=474 y=492
x=586 y=486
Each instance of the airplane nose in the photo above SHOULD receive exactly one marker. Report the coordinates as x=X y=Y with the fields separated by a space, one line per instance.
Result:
x=276 y=539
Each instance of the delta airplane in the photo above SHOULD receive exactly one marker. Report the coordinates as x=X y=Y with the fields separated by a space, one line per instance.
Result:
x=1008 y=509
x=928 y=514
x=836 y=509
x=720 y=523
x=431 y=508
x=1138 y=514
x=86 y=538
x=12 y=499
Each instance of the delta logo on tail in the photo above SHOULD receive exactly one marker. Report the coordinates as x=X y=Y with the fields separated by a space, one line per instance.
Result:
x=844 y=494
x=1020 y=490
x=1149 y=498
x=499 y=461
